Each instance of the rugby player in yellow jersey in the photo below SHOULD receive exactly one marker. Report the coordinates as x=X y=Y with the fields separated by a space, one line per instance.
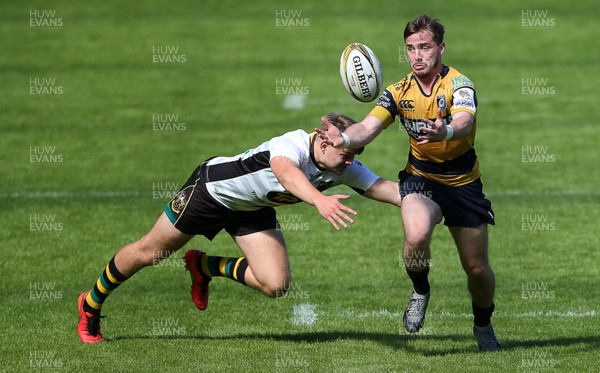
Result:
x=437 y=106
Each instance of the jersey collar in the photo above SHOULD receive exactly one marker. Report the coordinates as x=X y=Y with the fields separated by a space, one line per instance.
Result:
x=441 y=75
x=445 y=71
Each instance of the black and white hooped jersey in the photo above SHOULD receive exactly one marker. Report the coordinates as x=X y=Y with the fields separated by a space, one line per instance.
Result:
x=246 y=182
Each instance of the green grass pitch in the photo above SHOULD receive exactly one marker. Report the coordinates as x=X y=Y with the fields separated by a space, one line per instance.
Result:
x=106 y=108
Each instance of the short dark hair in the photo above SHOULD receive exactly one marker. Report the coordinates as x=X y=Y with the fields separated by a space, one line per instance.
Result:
x=340 y=121
x=425 y=22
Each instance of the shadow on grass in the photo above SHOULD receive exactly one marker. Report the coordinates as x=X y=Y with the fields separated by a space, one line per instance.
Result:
x=409 y=343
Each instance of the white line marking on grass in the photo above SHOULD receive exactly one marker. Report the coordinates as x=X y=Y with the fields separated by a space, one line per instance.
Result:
x=64 y=194
x=446 y=314
x=304 y=314
x=379 y=313
x=591 y=313
x=294 y=102
x=567 y=192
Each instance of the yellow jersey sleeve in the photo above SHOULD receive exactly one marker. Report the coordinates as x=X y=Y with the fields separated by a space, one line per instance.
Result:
x=386 y=109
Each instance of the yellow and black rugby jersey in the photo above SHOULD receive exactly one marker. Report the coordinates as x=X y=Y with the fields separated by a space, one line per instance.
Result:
x=452 y=162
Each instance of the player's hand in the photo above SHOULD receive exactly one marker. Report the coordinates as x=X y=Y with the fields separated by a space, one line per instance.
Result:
x=332 y=135
x=435 y=131
x=334 y=211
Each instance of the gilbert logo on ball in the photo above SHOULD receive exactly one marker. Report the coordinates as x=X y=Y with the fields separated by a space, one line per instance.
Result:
x=361 y=72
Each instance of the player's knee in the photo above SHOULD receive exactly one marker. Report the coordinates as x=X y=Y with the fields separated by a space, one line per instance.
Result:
x=276 y=288
x=415 y=242
x=149 y=253
x=478 y=269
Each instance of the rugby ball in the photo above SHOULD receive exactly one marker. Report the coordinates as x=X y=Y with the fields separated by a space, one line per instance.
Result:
x=361 y=72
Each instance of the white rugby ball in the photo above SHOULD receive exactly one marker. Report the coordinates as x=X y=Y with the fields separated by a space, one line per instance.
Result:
x=361 y=72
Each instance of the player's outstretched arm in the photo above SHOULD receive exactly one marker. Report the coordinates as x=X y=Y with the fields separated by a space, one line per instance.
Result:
x=384 y=190
x=462 y=123
x=295 y=182
x=359 y=134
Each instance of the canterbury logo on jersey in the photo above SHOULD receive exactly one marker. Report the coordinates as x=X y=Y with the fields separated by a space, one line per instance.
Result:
x=406 y=104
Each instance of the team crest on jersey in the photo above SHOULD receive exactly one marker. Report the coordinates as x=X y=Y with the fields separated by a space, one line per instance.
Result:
x=441 y=101
x=181 y=200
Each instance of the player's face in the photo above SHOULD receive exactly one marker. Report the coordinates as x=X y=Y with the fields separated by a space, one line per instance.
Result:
x=424 y=54
x=338 y=159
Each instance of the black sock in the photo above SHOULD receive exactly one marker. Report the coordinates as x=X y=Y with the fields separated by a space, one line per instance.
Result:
x=420 y=280
x=483 y=316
